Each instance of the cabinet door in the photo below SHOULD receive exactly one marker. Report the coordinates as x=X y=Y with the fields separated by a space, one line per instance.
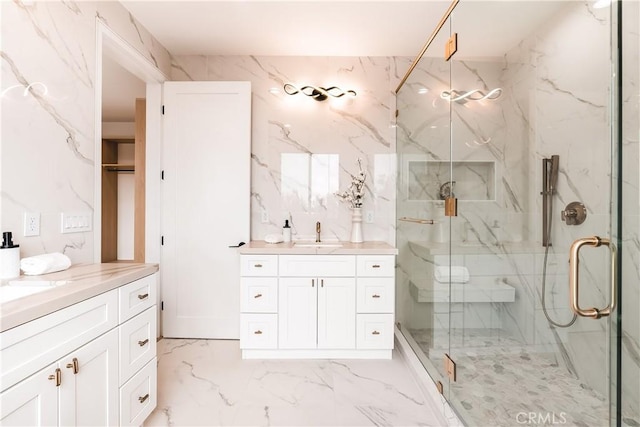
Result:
x=297 y=311
x=89 y=397
x=337 y=313
x=31 y=402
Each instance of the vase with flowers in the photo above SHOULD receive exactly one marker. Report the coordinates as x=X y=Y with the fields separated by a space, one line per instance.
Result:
x=354 y=195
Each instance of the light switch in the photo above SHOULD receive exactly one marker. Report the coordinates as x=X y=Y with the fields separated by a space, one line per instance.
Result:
x=75 y=222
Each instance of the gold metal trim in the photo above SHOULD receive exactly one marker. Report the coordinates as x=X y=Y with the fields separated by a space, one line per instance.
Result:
x=450 y=367
x=574 y=281
x=417 y=220
x=451 y=46
x=450 y=206
x=444 y=18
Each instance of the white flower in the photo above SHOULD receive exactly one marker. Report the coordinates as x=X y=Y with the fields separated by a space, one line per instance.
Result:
x=355 y=192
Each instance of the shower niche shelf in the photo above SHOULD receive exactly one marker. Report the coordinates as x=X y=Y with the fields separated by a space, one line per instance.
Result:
x=426 y=180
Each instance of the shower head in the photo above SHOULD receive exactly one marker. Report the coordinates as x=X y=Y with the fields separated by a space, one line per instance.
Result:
x=553 y=173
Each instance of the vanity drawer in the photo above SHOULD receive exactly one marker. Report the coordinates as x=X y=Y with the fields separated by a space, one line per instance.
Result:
x=258 y=265
x=258 y=331
x=139 y=397
x=376 y=265
x=137 y=296
x=259 y=294
x=137 y=343
x=30 y=347
x=375 y=294
x=374 y=331
x=317 y=265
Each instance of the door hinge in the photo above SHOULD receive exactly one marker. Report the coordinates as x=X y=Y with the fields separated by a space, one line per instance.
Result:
x=163 y=110
x=162 y=175
x=450 y=367
x=162 y=306
x=161 y=240
x=451 y=46
x=451 y=206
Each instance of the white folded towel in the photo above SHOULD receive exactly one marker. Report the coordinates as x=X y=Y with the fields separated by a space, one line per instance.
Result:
x=457 y=274
x=45 y=263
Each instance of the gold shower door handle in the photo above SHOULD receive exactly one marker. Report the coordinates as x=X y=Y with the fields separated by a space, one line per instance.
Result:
x=574 y=282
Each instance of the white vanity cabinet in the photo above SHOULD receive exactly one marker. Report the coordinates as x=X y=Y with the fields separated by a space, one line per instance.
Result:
x=317 y=306
x=317 y=296
x=66 y=368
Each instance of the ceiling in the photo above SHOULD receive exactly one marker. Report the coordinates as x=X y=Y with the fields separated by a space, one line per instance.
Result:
x=284 y=28
x=318 y=28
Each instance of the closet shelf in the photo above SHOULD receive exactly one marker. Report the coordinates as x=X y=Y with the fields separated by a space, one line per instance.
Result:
x=117 y=167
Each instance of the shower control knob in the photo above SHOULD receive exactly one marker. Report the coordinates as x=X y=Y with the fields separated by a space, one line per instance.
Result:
x=574 y=214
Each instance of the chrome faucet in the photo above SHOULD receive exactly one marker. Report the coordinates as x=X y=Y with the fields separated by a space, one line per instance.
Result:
x=318 y=232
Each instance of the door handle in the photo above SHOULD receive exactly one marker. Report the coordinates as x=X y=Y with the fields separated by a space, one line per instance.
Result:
x=574 y=281
x=238 y=245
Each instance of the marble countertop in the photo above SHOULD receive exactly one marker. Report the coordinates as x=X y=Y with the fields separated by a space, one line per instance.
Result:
x=83 y=281
x=345 y=248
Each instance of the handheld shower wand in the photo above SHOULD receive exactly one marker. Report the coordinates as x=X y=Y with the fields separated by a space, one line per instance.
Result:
x=550 y=168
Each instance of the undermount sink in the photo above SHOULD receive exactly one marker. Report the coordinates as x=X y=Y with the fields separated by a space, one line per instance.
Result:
x=318 y=244
x=21 y=288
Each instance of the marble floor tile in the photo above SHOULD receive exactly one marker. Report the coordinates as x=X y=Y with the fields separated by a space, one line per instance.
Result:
x=206 y=383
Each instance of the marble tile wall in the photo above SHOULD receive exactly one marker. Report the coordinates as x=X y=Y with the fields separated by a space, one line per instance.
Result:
x=48 y=137
x=303 y=151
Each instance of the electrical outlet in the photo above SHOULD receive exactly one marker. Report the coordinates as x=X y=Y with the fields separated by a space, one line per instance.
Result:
x=31 y=224
x=264 y=217
x=368 y=217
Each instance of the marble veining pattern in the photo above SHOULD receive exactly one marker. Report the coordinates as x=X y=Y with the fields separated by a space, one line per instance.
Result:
x=205 y=382
x=48 y=135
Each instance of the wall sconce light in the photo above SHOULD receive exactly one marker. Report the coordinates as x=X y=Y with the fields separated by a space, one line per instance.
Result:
x=318 y=93
x=472 y=95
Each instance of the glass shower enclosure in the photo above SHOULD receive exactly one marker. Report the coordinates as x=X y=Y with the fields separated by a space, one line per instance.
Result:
x=518 y=212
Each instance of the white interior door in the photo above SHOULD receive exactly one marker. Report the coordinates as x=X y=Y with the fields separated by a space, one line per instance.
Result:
x=206 y=202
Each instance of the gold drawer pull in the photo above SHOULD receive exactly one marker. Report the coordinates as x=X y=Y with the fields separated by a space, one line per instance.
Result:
x=258 y=332
x=57 y=377
x=258 y=265
x=375 y=296
x=375 y=333
x=143 y=398
x=74 y=365
x=258 y=296
x=143 y=296
x=375 y=266
x=143 y=343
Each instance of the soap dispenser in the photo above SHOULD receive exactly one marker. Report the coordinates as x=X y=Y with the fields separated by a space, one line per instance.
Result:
x=9 y=257
x=286 y=231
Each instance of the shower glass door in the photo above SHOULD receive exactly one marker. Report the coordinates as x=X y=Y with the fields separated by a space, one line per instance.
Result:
x=423 y=233
x=531 y=81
